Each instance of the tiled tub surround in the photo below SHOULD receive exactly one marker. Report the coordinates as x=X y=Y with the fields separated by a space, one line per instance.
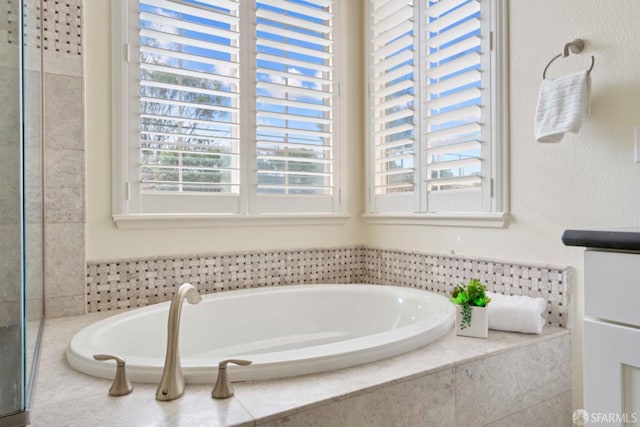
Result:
x=508 y=379
x=135 y=283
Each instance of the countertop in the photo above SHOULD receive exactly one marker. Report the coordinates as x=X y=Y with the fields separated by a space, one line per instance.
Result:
x=627 y=238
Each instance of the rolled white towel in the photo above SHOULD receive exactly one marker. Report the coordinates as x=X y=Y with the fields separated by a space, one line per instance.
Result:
x=516 y=313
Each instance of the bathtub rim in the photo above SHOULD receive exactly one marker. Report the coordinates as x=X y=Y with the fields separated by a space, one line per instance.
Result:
x=303 y=361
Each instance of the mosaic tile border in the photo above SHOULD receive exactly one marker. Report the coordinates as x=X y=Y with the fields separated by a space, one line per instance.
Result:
x=62 y=26
x=441 y=273
x=9 y=22
x=122 y=284
x=136 y=283
x=53 y=25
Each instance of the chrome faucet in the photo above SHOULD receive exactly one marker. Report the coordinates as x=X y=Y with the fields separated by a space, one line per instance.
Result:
x=172 y=383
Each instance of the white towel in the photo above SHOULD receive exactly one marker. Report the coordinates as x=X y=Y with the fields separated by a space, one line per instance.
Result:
x=516 y=313
x=562 y=104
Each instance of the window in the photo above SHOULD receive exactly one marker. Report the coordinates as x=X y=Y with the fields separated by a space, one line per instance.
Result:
x=437 y=115
x=226 y=107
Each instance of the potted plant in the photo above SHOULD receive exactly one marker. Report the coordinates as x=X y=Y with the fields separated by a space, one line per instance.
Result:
x=471 y=309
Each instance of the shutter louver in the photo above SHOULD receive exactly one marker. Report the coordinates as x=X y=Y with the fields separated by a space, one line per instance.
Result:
x=295 y=97
x=392 y=95
x=189 y=96
x=454 y=95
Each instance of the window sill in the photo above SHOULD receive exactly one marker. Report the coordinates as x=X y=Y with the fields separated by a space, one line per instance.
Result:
x=484 y=220
x=142 y=221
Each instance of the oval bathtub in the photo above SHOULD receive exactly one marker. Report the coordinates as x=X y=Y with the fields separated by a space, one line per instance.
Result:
x=285 y=330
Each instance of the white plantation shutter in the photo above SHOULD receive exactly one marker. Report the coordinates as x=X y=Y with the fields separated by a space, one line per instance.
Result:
x=189 y=137
x=392 y=96
x=295 y=105
x=225 y=107
x=454 y=104
x=430 y=106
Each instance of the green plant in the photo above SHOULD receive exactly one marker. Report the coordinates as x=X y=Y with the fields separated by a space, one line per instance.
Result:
x=473 y=295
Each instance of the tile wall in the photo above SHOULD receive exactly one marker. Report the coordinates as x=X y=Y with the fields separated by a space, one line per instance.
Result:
x=64 y=157
x=52 y=44
x=121 y=284
x=10 y=270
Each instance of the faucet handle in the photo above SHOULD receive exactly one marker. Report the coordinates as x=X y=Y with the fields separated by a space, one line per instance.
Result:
x=223 y=388
x=121 y=385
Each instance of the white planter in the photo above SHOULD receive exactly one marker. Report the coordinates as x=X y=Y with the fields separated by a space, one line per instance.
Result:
x=479 y=326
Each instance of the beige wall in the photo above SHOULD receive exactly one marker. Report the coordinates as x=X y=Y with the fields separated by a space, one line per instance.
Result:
x=588 y=180
x=105 y=241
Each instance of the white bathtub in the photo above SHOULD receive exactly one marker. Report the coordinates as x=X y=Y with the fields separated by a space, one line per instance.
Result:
x=285 y=330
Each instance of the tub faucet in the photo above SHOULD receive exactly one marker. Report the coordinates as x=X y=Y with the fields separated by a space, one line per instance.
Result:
x=172 y=383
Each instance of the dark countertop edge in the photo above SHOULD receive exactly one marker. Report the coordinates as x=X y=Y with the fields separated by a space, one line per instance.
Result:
x=621 y=239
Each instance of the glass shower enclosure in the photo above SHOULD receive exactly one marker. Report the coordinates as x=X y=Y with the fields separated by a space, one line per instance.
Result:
x=21 y=204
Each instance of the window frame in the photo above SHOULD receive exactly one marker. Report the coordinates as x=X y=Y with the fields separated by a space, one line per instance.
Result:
x=125 y=213
x=496 y=193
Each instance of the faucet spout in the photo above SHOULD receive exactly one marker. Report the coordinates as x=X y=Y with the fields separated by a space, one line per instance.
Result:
x=172 y=383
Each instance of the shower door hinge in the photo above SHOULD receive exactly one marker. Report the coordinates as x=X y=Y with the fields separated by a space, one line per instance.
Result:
x=491 y=40
x=491 y=187
x=127 y=191
x=127 y=52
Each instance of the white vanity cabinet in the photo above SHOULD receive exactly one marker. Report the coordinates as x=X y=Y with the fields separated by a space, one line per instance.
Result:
x=612 y=338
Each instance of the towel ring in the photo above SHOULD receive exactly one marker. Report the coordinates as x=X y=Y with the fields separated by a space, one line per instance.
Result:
x=575 y=46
